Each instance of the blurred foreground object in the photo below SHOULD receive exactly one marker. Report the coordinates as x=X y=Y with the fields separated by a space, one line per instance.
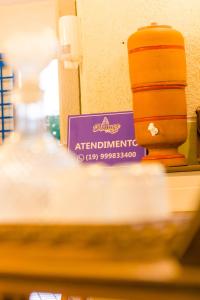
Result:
x=33 y=165
x=47 y=184
x=6 y=107
x=124 y=194
x=158 y=78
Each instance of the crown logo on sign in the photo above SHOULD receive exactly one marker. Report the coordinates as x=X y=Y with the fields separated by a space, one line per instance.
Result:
x=106 y=127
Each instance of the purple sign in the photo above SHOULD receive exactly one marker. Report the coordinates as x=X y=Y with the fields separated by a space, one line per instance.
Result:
x=106 y=137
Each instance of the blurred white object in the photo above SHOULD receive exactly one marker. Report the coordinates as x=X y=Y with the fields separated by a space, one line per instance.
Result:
x=117 y=195
x=29 y=53
x=138 y=193
x=69 y=34
x=33 y=166
x=49 y=83
x=88 y=201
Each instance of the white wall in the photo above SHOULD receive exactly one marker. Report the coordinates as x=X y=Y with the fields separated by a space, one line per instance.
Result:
x=106 y=24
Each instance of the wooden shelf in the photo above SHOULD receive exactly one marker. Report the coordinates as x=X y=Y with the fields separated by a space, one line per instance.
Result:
x=189 y=168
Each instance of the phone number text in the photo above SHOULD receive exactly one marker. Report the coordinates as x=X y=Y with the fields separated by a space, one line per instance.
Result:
x=106 y=156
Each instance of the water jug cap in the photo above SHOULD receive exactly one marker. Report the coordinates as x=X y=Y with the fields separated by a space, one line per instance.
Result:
x=154 y=25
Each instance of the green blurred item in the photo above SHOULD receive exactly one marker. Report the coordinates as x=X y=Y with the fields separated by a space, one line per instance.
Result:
x=53 y=125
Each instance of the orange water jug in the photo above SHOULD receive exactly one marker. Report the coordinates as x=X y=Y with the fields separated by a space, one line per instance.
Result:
x=157 y=68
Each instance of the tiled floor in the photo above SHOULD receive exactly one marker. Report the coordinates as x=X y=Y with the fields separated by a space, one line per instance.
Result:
x=44 y=296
